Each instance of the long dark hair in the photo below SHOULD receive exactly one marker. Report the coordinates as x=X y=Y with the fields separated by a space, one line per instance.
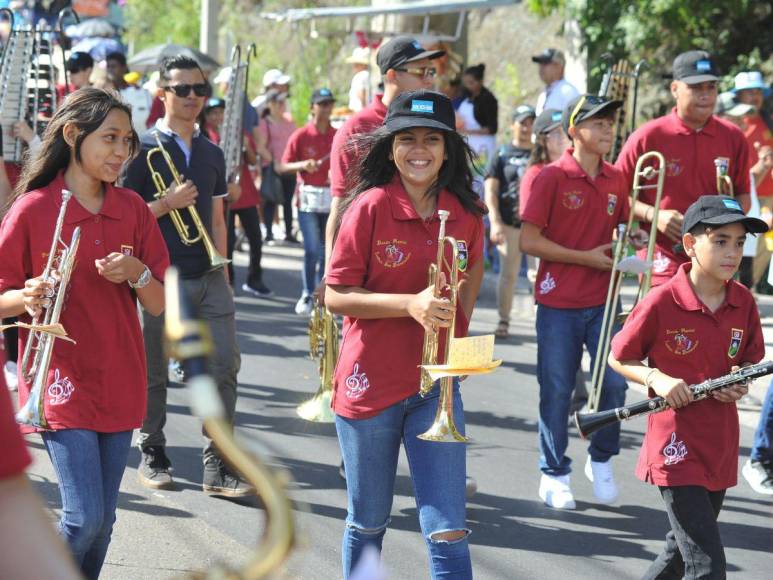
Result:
x=87 y=109
x=539 y=153
x=375 y=169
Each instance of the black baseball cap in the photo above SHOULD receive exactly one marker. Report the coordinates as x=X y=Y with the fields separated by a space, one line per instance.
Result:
x=522 y=112
x=584 y=107
x=549 y=55
x=720 y=210
x=420 y=109
x=547 y=120
x=323 y=95
x=214 y=103
x=695 y=66
x=401 y=50
x=79 y=61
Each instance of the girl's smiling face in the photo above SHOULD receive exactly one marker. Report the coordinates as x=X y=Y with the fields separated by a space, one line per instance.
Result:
x=419 y=154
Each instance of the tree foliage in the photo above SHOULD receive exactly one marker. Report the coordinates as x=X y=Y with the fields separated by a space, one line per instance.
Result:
x=152 y=22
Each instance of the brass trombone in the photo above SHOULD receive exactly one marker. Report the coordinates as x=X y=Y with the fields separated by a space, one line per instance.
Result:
x=323 y=346
x=215 y=259
x=724 y=183
x=622 y=265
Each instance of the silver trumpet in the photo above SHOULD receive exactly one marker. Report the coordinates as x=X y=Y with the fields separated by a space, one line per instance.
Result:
x=40 y=341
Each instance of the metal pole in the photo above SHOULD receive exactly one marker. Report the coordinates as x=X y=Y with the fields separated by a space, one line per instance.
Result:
x=208 y=30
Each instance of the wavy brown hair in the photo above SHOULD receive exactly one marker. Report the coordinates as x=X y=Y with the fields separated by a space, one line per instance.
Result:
x=87 y=109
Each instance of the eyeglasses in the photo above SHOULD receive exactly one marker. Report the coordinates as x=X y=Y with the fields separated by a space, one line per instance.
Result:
x=425 y=72
x=199 y=89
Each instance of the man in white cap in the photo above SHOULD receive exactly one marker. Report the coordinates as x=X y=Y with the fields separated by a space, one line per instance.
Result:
x=360 y=87
x=558 y=91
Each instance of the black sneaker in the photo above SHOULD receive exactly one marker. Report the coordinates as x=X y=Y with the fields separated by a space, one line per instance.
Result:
x=155 y=470
x=219 y=479
x=260 y=290
x=291 y=239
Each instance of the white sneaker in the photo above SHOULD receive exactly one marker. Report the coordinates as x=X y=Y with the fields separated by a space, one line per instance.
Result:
x=303 y=306
x=11 y=374
x=554 y=490
x=604 y=486
x=759 y=475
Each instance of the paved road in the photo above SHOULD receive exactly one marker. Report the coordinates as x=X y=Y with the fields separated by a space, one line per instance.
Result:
x=163 y=534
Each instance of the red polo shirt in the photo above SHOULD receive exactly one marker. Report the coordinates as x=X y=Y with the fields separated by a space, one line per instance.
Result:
x=678 y=335
x=344 y=155
x=690 y=173
x=14 y=458
x=579 y=213
x=384 y=246
x=308 y=143
x=527 y=181
x=99 y=383
x=757 y=132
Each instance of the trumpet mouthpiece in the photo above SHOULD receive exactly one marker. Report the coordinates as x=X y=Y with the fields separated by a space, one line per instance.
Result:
x=443 y=214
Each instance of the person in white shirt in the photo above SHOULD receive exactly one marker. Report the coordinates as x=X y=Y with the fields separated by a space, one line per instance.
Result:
x=360 y=87
x=139 y=98
x=558 y=91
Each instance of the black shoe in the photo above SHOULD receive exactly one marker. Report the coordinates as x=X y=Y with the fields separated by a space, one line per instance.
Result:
x=291 y=240
x=342 y=470
x=260 y=290
x=219 y=479
x=155 y=470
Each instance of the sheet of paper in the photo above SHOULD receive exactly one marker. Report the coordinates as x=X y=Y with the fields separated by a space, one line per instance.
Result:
x=472 y=355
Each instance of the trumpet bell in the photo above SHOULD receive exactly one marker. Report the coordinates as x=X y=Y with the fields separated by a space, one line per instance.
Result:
x=317 y=409
x=443 y=429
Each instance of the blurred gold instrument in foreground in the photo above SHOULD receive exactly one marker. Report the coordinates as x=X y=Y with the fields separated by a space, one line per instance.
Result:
x=323 y=346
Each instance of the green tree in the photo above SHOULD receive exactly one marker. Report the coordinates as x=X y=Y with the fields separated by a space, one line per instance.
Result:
x=152 y=22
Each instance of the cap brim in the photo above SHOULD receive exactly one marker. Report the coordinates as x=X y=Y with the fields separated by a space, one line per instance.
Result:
x=739 y=110
x=606 y=106
x=753 y=225
x=522 y=116
x=697 y=79
x=412 y=122
x=325 y=100
x=549 y=128
x=541 y=59
x=427 y=54
x=766 y=90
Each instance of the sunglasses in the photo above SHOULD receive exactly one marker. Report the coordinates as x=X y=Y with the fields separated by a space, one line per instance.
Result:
x=425 y=72
x=199 y=89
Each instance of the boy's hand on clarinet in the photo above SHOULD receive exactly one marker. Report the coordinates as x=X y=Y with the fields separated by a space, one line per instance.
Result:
x=429 y=311
x=731 y=394
x=675 y=391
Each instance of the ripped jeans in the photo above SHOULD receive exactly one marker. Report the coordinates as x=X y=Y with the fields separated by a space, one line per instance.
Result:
x=370 y=448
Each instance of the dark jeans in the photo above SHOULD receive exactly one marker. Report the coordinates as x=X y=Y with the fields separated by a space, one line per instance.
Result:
x=11 y=340
x=89 y=467
x=762 y=450
x=213 y=298
x=269 y=207
x=248 y=216
x=693 y=547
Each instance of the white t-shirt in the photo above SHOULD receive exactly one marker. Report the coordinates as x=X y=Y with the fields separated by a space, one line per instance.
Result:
x=140 y=101
x=360 y=82
x=556 y=96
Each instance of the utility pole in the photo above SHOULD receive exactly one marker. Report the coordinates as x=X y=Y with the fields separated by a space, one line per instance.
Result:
x=208 y=30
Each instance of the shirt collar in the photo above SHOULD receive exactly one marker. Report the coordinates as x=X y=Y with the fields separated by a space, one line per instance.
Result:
x=166 y=130
x=75 y=211
x=686 y=298
x=572 y=168
x=402 y=206
x=681 y=128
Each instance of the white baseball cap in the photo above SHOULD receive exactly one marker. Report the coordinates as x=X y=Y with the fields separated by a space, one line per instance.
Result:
x=275 y=77
x=223 y=76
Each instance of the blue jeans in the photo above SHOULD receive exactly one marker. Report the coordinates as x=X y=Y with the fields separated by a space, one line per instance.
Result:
x=89 y=467
x=370 y=448
x=561 y=333
x=313 y=230
x=762 y=449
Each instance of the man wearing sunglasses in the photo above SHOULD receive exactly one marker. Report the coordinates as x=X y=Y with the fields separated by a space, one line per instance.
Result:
x=202 y=167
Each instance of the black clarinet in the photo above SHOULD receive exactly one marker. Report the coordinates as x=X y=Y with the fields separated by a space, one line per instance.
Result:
x=588 y=423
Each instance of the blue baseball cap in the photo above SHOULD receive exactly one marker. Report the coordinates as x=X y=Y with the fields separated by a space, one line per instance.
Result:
x=750 y=80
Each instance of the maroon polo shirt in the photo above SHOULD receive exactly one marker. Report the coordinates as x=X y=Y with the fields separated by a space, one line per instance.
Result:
x=681 y=337
x=308 y=143
x=14 y=458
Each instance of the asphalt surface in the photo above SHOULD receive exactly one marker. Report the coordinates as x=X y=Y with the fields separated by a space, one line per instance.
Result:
x=166 y=534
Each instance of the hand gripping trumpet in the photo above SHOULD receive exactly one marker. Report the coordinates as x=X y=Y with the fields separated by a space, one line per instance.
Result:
x=188 y=341
x=215 y=259
x=40 y=341
x=724 y=183
x=323 y=346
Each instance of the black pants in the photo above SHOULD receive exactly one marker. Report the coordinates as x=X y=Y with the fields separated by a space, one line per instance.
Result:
x=269 y=208
x=11 y=340
x=251 y=224
x=693 y=547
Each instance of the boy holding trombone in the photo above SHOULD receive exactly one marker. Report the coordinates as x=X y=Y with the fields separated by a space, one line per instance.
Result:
x=699 y=325
x=574 y=206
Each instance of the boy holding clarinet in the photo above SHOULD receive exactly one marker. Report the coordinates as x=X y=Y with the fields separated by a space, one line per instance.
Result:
x=699 y=325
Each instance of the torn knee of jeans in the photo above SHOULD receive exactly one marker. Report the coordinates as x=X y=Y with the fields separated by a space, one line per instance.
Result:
x=368 y=531
x=449 y=536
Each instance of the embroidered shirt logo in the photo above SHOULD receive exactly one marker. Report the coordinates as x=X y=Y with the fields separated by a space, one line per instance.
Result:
x=462 y=255
x=392 y=253
x=680 y=342
x=127 y=250
x=60 y=391
x=611 y=203
x=573 y=199
x=675 y=451
x=548 y=284
x=660 y=263
x=736 y=337
x=673 y=167
x=356 y=383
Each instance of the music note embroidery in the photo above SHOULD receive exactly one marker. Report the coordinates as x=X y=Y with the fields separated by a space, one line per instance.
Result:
x=548 y=284
x=356 y=383
x=675 y=451
x=60 y=390
x=660 y=263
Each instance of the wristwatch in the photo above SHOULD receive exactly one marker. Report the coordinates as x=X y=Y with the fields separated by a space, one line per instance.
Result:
x=143 y=280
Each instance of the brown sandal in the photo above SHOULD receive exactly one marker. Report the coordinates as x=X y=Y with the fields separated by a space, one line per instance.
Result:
x=502 y=330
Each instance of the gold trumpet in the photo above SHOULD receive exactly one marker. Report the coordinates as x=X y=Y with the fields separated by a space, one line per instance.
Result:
x=323 y=346
x=724 y=183
x=188 y=340
x=610 y=318
x=215 y=259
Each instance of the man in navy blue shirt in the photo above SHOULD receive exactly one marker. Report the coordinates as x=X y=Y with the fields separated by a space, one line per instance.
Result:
x=202 y=167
